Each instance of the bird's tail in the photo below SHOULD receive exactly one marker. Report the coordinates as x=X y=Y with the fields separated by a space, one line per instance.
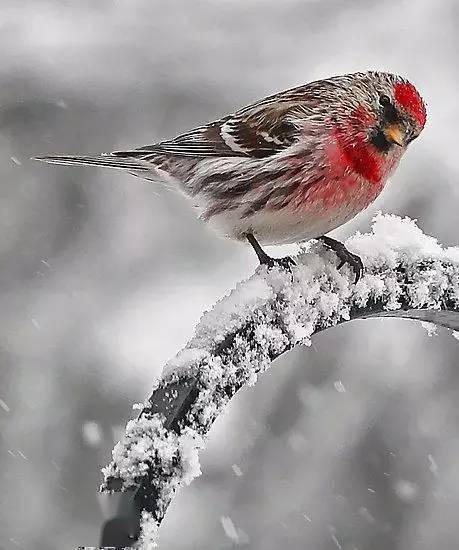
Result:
x=106 y=160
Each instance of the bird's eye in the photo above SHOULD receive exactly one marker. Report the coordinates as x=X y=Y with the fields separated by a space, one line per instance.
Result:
x=384 y=100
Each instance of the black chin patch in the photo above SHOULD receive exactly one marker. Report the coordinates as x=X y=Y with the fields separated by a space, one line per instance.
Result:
x=379 y=140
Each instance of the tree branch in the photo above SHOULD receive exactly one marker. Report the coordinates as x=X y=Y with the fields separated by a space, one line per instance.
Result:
x=408 y=275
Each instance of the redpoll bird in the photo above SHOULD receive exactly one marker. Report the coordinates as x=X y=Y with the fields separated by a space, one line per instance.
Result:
x=290 y=167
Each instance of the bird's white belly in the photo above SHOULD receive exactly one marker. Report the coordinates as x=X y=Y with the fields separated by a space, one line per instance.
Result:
x=283 y=226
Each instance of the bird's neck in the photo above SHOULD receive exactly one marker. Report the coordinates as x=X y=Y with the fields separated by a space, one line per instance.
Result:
x=356 y=154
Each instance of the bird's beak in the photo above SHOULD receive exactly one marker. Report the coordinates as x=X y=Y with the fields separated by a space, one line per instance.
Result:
x=395 y=133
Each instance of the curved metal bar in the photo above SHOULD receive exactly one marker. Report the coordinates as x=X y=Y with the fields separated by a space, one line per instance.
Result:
x=257 y=322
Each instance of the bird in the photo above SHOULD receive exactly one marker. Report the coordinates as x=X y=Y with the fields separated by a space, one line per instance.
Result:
x=290 y=167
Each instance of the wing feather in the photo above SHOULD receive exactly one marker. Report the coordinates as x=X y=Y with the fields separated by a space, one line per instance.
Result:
x=259 y=130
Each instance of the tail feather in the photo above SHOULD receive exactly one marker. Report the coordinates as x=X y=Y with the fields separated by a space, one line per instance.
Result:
x=106 y=160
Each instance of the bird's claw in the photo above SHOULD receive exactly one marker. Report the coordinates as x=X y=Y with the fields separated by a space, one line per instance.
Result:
x=345 y=256
x=355 y=262
x=286 y=263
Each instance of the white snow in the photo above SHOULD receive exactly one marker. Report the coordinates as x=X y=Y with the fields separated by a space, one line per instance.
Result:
x=365 y=514
x=4 y=406
x=145 y=438
x=406 y=490
x=237 y=470
x=149 y=531
x=91 y=432
x=21 y=454
x=433 y=466
x=430 y=328
x=268 y=314
x=336 y=541
x=237 y=536
x=229 y=528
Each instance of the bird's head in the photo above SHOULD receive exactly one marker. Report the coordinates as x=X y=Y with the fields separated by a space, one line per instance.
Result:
x=398 y=108
x=378 y=114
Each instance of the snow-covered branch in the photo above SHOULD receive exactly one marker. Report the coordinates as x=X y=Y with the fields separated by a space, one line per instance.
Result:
x=408 y=274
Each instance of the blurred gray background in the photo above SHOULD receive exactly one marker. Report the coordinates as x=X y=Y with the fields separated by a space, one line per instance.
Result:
x=351 y=444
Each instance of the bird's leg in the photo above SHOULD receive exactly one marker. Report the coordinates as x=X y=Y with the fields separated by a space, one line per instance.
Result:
x=285 y=263
x=344 y=255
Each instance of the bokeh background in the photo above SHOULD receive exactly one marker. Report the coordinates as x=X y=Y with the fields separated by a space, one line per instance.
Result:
x=351 y=444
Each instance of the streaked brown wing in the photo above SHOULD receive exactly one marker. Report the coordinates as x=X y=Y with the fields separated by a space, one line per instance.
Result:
x=259 y=130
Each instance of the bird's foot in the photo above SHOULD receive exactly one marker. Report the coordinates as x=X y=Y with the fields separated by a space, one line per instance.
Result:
x=345 y=256
x=286 y=263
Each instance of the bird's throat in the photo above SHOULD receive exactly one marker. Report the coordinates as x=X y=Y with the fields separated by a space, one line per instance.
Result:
x=358 y=155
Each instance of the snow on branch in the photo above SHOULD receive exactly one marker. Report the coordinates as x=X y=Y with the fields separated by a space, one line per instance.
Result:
x=407 y=274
